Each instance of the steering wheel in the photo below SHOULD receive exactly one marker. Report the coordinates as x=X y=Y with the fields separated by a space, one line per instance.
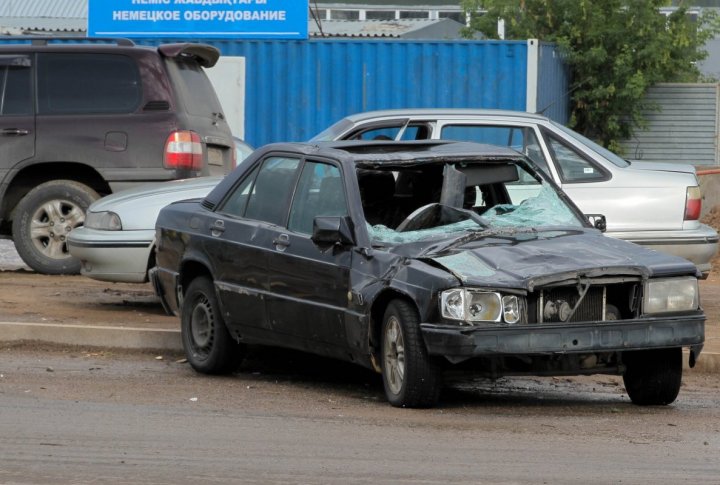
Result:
x=425 y=216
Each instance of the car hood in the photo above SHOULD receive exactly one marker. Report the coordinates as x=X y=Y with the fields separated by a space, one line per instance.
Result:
x=139 y=207
x=564 y=256
x=172 y=190
x=662 y=167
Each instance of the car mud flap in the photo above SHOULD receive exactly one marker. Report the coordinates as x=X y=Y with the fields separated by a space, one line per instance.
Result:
x=152 y=273
x=694 y=354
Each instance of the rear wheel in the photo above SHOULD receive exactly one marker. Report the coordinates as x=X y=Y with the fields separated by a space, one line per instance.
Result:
x=42 y=221
x=209 y=348
x=653 y=377
x=411 y=378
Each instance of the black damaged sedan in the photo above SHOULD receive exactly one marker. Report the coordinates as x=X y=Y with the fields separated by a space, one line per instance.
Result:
x=413 y=258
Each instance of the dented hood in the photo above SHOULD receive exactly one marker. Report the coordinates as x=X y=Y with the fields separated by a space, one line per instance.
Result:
x=529 y=260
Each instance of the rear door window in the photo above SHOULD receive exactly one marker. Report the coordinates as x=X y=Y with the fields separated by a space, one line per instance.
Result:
x=15 y=90
x=87 y=84
x=265 y=197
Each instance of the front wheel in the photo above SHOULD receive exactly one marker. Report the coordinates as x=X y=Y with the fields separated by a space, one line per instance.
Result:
x=653 y=377
x=411 y=378
x=209 y=348
x=42 y=221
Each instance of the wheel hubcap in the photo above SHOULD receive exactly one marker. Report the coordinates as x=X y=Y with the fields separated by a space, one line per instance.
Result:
x=51 y=224
x=394 y=354
x=201 y=326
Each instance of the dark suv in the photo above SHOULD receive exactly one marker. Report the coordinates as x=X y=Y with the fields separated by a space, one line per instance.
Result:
x=79 y=120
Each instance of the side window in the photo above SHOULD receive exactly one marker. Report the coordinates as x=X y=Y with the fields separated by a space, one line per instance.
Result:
x=87 y=83
x=237 y=201
x=572 y=166
x=320 y=192
x=378 y=133
x=15 y=91
x=519 y=138
x=268 y=199
x=391 y=131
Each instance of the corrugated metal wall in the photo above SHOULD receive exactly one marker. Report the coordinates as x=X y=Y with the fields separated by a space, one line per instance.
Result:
x=685 y=129
x=553 y=97
x=295 y=89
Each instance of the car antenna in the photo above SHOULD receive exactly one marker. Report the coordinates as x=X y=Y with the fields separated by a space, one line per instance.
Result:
x=313 y=12
x=569 y=91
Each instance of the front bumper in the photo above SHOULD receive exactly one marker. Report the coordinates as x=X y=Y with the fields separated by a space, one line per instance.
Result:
x=112 y=255
x=461 y=343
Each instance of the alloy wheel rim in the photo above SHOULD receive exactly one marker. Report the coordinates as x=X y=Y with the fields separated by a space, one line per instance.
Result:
x=394 y=353
x=50 y=225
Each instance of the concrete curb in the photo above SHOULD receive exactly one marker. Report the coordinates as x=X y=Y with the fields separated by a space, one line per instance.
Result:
x=92 y=335
x=169 y=339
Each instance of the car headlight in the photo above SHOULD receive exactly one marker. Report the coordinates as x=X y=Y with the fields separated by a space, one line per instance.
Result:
x=668 y=295
x=106 y=221
x=479 y=306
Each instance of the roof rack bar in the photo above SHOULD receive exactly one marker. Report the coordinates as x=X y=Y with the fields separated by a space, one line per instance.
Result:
x=45 y=39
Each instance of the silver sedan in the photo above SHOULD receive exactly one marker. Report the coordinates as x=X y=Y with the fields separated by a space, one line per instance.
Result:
x=118 y=239
x=656 y=205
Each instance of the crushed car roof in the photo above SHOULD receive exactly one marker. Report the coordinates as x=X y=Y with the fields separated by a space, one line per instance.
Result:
x=381 y=152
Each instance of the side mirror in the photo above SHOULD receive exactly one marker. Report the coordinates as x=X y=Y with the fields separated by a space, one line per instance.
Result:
x=332 y=230
x=597 y=221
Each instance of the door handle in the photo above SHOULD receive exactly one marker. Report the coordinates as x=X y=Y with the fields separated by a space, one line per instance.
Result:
x=14 y=132
x=281 y=242
x=217 y=228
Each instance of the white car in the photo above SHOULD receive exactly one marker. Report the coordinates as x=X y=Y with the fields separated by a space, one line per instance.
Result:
x=117 y=240
x=656 y=205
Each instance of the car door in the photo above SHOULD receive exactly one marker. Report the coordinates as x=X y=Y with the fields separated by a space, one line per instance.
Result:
x=309 y=284
x=17 y=119
x=243 y=228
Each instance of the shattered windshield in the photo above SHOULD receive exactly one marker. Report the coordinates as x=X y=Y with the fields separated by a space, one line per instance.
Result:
x=434 y=202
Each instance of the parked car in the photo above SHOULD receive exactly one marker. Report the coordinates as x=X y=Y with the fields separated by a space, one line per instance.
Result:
x=117 y=241
x=82 y=119
x=411 y=258
x=656 y=205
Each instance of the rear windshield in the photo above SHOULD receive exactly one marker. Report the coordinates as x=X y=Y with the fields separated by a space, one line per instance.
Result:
x=193 y=88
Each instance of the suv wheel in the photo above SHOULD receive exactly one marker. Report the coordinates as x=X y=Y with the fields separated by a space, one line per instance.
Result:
x=42 y=221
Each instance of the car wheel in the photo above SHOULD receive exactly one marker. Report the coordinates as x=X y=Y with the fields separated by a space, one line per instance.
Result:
x=411 y=378
x=653 y=377
x=42 y=221
x=208 y=346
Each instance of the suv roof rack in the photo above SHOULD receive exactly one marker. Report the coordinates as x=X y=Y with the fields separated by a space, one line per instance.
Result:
x=45 y=39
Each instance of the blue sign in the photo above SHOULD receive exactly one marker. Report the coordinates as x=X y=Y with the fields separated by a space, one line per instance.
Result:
x=249 y=19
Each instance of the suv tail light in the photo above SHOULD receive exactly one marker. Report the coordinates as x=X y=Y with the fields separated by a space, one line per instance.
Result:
x=693 y=203
x=183 y=151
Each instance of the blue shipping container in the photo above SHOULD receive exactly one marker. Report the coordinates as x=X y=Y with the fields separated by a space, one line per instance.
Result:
x=295 y=89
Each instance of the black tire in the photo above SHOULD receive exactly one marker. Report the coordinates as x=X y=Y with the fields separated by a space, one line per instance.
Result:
x=653 y=377
x=209 y=348
x=43 y=219
x=411 y=377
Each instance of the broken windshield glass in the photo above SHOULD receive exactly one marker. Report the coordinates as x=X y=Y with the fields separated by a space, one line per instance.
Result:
x=521 y=203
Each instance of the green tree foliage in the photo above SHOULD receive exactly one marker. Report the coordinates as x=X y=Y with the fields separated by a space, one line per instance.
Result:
x=616 y=50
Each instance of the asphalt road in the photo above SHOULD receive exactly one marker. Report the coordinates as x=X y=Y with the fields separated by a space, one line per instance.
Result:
x=73 y=416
